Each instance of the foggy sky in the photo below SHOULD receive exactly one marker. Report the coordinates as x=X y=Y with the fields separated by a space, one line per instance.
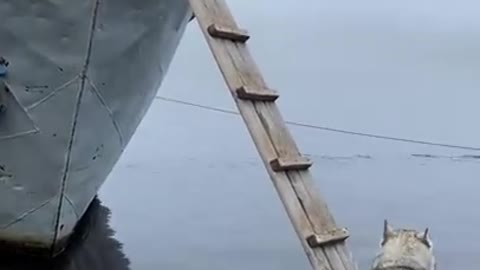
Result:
x=405 y=68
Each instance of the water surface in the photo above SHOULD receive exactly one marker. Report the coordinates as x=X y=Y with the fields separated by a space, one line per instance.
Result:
x=190 y=191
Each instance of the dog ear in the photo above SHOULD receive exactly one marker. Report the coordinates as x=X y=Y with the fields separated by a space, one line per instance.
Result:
x=387 y=232
x=424 y=237
x=387 y=229
x=425 y=234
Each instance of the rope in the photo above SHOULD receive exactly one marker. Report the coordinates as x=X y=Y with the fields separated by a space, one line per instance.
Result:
x=292 y=123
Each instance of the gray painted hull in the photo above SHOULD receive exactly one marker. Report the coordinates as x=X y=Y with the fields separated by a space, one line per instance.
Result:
x=82 y=74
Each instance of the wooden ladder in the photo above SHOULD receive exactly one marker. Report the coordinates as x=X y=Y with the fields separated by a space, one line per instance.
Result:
x=322 y=241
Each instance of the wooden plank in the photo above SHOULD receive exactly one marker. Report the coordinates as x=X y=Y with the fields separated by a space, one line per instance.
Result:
x=332 y=236
x=254 y=94
x=218 y=31
x=307 y=211
x=288 y=164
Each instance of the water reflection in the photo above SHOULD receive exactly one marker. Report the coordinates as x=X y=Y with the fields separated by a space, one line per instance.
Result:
x=93 y=247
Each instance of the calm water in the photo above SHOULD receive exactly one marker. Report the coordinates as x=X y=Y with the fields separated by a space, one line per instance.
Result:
x=190 y=191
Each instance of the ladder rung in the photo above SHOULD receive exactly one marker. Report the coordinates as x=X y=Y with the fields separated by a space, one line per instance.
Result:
x=286 y=164
x=223 y=32
x=329 y=237
x=256 y=94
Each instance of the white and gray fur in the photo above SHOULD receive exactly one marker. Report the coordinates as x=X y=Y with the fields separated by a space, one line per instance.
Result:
x=404 y=249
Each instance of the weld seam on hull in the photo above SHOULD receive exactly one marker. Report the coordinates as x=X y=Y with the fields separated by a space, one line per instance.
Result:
x=108 y=109
x=74 y=123
x=19 y=134
x=52 y=94
x=72 y=205
x=26 y=214
x=67 y=164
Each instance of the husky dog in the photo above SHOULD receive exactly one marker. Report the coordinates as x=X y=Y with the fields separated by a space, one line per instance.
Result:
x=402 y=249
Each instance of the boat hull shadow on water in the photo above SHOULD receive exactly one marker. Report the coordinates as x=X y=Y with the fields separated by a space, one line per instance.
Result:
x=92 y=247
x=80 y=77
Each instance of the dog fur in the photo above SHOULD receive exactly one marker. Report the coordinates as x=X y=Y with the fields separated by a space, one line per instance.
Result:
x=404 y=249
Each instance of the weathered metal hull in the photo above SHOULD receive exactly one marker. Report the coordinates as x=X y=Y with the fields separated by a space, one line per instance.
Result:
x=81 y=76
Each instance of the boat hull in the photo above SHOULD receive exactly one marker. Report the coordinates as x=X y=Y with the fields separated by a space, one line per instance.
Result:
x=81 y=76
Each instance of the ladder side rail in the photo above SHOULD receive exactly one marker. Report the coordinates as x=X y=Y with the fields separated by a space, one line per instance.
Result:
x=307 y=211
